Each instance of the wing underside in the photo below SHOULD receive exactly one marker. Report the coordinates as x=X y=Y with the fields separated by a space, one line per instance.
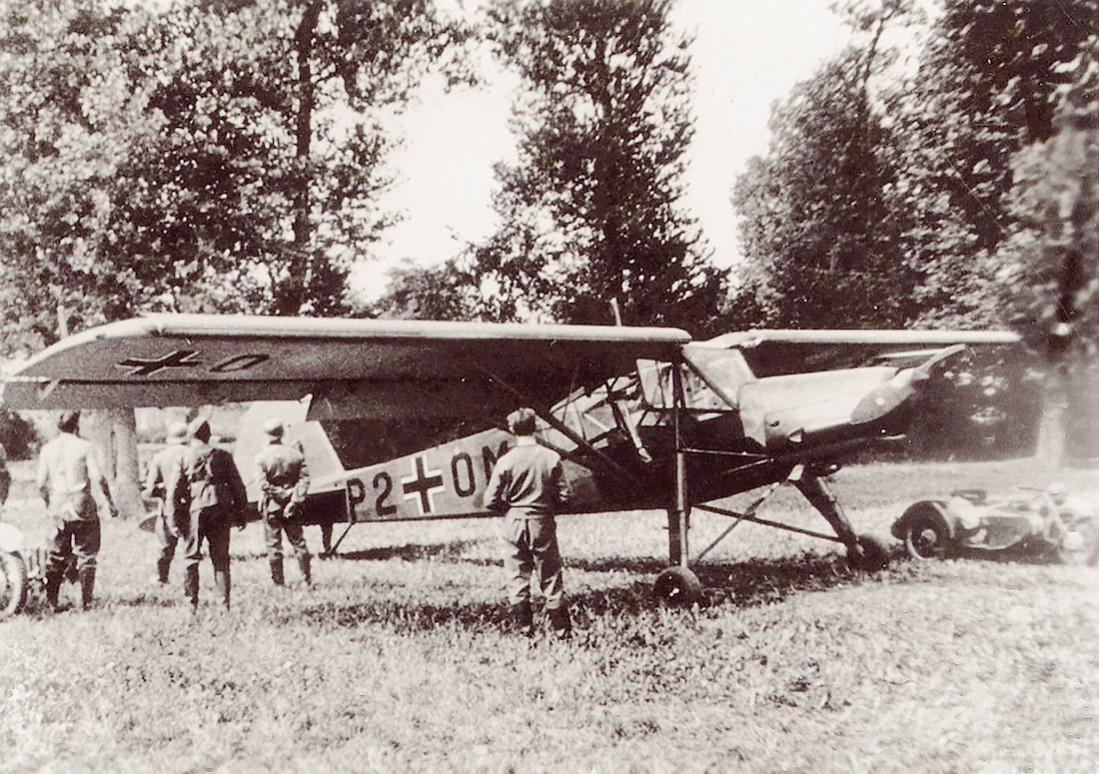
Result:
x=373 y=369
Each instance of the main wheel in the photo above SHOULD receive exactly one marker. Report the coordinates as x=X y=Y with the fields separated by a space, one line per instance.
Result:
x=926 y=537
x=13 y=584
x=678 y=586
x=872 y=556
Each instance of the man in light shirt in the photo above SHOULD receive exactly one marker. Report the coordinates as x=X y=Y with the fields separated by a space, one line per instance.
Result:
x=75 y=493
x=528 y=486
x=161 y=467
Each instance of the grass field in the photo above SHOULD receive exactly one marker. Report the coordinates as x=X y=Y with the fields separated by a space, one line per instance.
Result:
x=399 y=659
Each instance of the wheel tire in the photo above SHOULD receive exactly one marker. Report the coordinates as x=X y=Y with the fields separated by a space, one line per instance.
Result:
x=873 y=555
x=926 y=537
x=13 y=584
x=678 y=586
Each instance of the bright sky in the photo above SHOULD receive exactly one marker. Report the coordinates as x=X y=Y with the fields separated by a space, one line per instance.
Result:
x=746 y=54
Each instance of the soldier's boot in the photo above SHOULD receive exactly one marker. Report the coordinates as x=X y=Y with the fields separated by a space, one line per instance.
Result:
x=560 y=622
x=53 y=588
x=276 y=572
x=190 y=585
x=303 y=565
x=162 y=570
x=87 y=587
x=523 y=617
x=223 y=585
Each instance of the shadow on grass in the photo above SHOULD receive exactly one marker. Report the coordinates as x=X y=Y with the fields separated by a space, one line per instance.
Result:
x=734 y=585
x=411 y=552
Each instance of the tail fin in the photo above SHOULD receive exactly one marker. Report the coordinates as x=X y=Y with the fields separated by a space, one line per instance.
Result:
x=320 y=456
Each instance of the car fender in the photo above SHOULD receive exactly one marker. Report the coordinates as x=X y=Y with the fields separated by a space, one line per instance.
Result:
x=936 y=508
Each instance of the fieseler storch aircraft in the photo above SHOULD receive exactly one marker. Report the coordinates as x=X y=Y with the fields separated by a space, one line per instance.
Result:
x=402 y=420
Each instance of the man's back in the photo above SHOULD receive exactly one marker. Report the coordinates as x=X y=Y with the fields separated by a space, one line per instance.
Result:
x=63 y=464
x=527 y=477
x=281 y=465
x=164 y=463
x=212 y=477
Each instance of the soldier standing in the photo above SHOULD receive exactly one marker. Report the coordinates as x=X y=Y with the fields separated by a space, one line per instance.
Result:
x=166 y=460
x=284 y=481
x=75 y=493
x=204 y=497
x=528 y=485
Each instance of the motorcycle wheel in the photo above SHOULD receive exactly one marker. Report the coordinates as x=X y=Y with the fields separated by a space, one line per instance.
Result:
x=926 y=537
x=13 y=584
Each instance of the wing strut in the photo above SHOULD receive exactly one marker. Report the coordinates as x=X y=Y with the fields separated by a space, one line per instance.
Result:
x=547 y=416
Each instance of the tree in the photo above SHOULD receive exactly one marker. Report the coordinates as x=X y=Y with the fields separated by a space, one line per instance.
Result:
x=988 y=84
x=591 y=209
x=190 y=159
x=442 y=292
x=820 y=246
x=1049 y=262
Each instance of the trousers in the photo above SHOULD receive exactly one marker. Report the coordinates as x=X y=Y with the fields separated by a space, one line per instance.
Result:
x=68 y=536
x=274 y=524
x=167 y=548
x=531 y=547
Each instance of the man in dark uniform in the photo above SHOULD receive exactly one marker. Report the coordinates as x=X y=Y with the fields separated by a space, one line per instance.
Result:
x=75 y=493
x=284 y=481
x=160 y=469
x=205 y=496
x=528 y=486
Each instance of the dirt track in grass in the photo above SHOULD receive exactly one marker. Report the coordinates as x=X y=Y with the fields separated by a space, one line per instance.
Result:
x=399 y=658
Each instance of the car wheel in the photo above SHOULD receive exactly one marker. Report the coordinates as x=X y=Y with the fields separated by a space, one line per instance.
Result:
x=13 y=584
x=678 y=586
x=872 y=555
x=926 y=537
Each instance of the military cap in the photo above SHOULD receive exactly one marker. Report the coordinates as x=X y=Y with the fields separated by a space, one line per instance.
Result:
x=522 y=421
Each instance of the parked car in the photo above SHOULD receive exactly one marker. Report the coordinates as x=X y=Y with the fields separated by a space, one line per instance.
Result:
x=1042 y=521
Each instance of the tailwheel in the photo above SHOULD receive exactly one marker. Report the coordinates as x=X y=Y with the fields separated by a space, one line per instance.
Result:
x=872 y=555
x=678 y=586
x=13 y=584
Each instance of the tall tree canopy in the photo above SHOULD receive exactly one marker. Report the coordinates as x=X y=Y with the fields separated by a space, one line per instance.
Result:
x=212 y=155
x=990 y=79
x=820 y=245
x=202 y=155
x=591 y=209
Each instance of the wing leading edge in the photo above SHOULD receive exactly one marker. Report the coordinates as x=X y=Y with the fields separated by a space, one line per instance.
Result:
x=375 y=369
x=775 y=352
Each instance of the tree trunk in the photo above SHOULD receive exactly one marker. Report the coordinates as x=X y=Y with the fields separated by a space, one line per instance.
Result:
x=1050 y=449
x=113 y=432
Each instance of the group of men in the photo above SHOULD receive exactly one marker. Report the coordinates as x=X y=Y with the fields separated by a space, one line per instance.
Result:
x=201 y=496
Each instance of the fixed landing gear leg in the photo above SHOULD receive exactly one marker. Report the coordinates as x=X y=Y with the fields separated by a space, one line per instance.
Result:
x=864 y=552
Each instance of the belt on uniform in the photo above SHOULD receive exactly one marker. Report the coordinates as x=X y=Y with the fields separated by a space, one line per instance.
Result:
x=516 y=513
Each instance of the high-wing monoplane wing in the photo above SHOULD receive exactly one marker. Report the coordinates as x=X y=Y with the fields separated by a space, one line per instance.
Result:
x=374 y=369
x=774 y=352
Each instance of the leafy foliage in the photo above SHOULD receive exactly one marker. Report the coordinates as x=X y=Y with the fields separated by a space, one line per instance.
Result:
x=208 y=155
x=990 y=79
x=819 y=242
x=590 y=210
x=1049 y=263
